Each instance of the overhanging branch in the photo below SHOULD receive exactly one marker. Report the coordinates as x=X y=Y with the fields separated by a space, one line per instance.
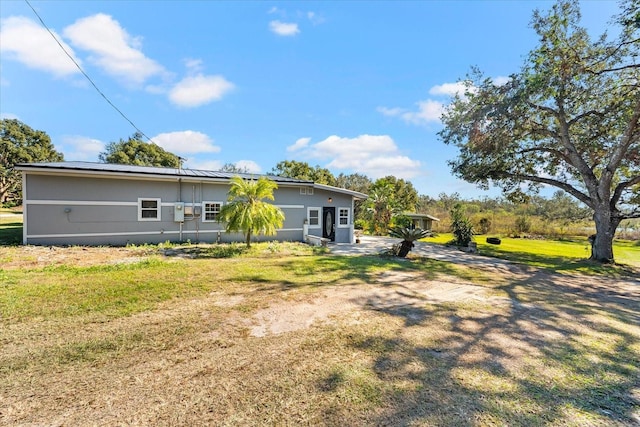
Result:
x=555 y=183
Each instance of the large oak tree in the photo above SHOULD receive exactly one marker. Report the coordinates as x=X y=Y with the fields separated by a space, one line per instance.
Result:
x=134 y=151
x=19 y=143
x=569 y=119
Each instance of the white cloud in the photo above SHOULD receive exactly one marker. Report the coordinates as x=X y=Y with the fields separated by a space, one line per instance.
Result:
x=209 y=165
x=112 y=48
x=249 y=165
x=29 y=43
x=314 y=18
x=391 y=112
x=428 y=111
x=284 y=28
x=81 y=148
x=193 y=65
x=186 y=142
x=9 y=116
x=501 y=80
x=374 y=155
x=449 y=89
x=194 y=91
x=299 y=144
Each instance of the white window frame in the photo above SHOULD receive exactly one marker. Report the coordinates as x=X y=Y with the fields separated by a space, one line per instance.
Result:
x=158 y=209
x=340 y=217
x=303 y=191
x=204 y=210
x=310 y=191
x=306 y=191
x=319 y=224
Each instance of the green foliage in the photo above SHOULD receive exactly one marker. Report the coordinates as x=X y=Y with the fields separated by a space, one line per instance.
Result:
x=568 y=119
x=233 y=168
x=461 y=226
x=302 y=170
x=134 y=151
x=389 y=197
x=522 y=225
x=408 y=236
x=20 y=143
x=248 y=212
x=484 y=225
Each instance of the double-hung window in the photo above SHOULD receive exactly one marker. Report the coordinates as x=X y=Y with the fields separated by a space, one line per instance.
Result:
x=211 y=211
x=313 y=217
x=148 y=209
x=343 y=217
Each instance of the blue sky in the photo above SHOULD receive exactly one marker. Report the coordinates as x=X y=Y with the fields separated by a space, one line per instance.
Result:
x=352 y=86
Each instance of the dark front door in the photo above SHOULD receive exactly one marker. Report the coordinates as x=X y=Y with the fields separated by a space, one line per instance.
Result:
x=329 y=223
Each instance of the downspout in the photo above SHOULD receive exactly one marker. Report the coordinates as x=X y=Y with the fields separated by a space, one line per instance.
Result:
x=179 y=200
x=24 y=207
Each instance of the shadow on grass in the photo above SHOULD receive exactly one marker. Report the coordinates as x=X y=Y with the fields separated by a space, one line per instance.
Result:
x=340 y=270
x=557 y=352
x=563 y=264
x=11 y=234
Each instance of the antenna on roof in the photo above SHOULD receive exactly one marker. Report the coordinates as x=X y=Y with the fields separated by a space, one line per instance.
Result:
x=181 y=159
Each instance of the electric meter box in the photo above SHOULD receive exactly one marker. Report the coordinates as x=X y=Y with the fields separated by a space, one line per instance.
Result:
x=178 y=212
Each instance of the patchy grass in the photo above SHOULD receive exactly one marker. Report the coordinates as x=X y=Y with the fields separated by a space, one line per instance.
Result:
x=567 y=254
x=166 y=340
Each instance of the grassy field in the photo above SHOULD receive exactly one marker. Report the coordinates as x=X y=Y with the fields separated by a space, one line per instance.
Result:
x=284 y=335
x=556 y=254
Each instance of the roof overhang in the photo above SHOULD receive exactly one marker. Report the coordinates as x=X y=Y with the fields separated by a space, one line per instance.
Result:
x=418 y=216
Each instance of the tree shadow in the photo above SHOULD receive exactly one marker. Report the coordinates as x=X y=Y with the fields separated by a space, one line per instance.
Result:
x=559 y=345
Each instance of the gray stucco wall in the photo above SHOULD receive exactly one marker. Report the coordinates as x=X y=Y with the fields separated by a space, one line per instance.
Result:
x=83 y=210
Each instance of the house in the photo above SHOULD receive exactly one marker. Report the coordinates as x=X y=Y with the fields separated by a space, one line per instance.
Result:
x=423 y=221
x=83 y=203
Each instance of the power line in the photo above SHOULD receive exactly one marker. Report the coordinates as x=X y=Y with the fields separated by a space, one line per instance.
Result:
x=86 y=75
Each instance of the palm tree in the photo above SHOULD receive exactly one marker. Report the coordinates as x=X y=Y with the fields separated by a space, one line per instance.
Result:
x=408 y=236
x=247 y=212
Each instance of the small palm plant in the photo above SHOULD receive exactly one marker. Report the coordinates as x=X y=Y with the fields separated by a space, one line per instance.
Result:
x=247 y=211
x=408 y=236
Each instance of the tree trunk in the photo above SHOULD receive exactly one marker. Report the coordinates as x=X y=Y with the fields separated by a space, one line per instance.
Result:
x=405 y=248
x=248 y=238
x=606 y=225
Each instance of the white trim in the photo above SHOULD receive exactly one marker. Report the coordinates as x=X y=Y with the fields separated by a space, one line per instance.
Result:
x=290 y=206
x=204 y=210
x=25 y=202
x=319 y=224
x=348 y=224
x=137 y=233
x=158 y=208
x=88 y=202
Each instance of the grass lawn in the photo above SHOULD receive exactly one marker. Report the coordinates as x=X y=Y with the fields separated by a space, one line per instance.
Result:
x=10 y=226
x=567 y=254
x=284 y=335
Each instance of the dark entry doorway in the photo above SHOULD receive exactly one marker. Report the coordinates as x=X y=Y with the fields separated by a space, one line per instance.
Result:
x=329 y=223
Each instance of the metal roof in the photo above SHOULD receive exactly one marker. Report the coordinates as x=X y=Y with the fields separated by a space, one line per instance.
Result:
x=169 y=172
x=417 y=215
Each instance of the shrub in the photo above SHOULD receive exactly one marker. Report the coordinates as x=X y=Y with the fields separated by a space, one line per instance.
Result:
x=461 y=226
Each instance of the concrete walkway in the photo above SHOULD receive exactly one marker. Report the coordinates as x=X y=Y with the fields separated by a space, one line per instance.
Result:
x=371 y=245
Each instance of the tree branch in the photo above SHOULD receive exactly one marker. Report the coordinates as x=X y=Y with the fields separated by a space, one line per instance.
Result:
x=620 y=188
x=554 y=182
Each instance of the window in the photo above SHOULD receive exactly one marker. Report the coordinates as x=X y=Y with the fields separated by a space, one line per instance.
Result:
x=313 y=217
x=148 y=209
x=343 y=217
x=306 y=190
x=211 y=211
